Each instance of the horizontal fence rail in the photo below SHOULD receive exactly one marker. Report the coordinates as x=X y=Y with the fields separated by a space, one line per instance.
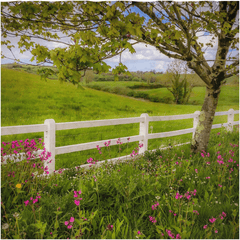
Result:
x=175 y=117
x=97 y=123
x=50 y=127
x=23 y=129
x=170 y=134
x=92 y=145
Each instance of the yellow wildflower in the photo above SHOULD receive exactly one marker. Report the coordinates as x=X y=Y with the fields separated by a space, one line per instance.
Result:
x=18 y=185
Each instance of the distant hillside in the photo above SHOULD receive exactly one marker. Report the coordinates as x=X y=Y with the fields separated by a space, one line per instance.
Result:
x=148 y=77
x=29 y=68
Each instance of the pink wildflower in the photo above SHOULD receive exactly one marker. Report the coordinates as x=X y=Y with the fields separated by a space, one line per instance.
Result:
x=178 y=196
x=170 y=234
x=178 y=236
x=152 y=219
x=66 y=223
x=109 y=227
x=220 y=162
x=212 y=220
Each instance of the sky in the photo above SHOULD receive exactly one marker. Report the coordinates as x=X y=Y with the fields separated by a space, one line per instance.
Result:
x=146 y=58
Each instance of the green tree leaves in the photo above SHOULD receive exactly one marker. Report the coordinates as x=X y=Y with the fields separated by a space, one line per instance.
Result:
x=100 y=30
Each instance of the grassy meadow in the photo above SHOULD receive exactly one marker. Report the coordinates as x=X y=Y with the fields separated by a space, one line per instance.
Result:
x=26 y=99
x=169 y=194
x=161 y=195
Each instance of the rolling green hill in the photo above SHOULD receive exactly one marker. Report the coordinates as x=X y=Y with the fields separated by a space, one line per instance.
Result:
x=26 y=99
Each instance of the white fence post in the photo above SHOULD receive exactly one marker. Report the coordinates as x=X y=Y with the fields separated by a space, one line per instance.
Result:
x=230 y=120
x=144 y=131
x=49 y=140
x=195 y=122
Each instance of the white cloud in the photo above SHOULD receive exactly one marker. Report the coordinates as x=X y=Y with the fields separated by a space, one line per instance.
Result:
x=161 y=66
x=149 y=53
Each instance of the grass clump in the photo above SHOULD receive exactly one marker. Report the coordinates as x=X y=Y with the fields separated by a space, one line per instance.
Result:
x=163 y=194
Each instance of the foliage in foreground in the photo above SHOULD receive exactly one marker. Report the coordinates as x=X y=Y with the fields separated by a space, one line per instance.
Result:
x=163 y=194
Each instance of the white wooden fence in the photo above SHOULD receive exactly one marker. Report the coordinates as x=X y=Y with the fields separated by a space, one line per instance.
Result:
x=50 y=127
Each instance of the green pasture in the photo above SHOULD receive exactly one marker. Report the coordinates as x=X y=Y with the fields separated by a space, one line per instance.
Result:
x=195 y=196
x=155 y=93
x=30 y=69
x=116 y=83
x=229 y=93
x=26 y=99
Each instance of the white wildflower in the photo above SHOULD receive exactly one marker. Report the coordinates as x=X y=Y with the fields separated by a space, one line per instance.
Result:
x=5 y=226
x=16 y=215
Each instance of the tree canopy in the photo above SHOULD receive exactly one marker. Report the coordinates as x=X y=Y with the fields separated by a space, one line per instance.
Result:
x=95 y=31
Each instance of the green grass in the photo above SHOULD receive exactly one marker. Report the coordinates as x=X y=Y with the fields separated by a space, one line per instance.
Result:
x=229 y=90
x=118 y=200
x=30 y=69
x=116 y=83
x=26 y=99
x=229 y=94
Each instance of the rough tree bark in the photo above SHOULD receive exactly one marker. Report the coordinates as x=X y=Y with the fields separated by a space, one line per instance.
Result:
x=202 y=134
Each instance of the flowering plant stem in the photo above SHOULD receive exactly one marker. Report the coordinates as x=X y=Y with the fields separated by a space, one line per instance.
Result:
x=210 y=232
x=186 y=216
x=179 y=214
x=80 y=219
x=18 y=232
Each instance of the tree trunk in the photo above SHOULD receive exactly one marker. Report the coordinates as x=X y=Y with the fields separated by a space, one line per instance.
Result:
x=202 y=134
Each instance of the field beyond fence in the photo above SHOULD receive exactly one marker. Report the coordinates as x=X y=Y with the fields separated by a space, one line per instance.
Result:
x=50 y=127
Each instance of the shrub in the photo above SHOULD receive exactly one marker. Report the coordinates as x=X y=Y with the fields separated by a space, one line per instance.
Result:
x=105 y=88
x=154 y=99
x=95 y=86
x=146 y=86
x=141 y=95
x=119 y=90
x=136 y=79
x=131 y=93
x=180 y=89
x=167 y=100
